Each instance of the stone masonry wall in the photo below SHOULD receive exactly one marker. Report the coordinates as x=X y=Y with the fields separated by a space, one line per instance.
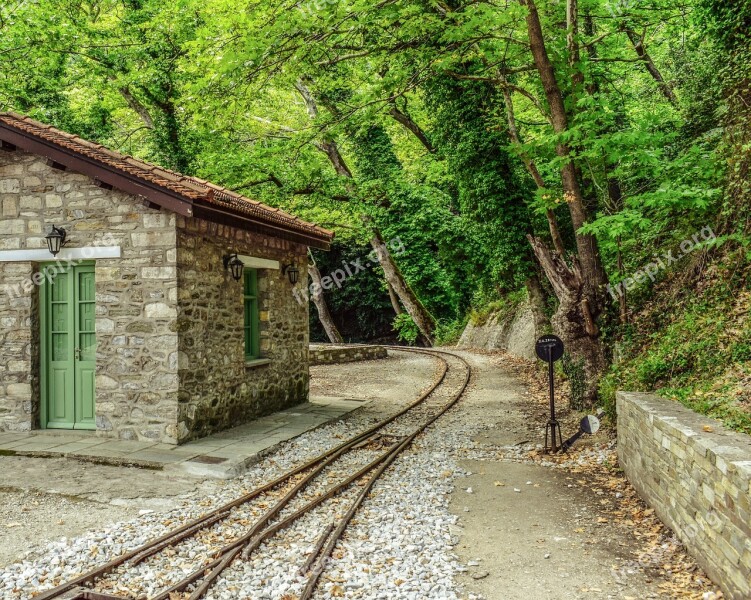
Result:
x=19 y=399
x=136 y=381
x=696 y=475
x=326 y=354
x=217 y=388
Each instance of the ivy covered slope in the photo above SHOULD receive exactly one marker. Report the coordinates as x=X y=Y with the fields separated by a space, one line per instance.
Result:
x=691 y=341
x=690 y=334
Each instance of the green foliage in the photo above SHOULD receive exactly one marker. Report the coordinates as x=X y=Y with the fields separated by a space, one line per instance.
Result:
x=405 y=328
x=105 y=70
x=694 y=352
x=447 y=333
x=361 y=307
x=503 y=308
x=573 y=368
x=214 y=88
x=484 y=178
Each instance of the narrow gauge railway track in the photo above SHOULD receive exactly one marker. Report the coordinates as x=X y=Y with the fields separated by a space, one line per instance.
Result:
x=374 y=450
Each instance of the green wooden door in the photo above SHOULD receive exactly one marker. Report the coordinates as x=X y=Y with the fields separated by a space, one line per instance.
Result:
x=68 y=348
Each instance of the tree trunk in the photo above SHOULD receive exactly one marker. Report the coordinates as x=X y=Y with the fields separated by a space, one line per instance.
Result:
x=394 y=300
x=323 y=309
x=513 y=131
x=580 y=287
x=422 y=318
x=622 y=300
x=537 y=302
x=652 y=69
x=405 y=120
x=572 y=42
x=615 y=192
x=137 y=107
x=330 y=148
x=594 y=279
x=420 y=315
x=574 y=324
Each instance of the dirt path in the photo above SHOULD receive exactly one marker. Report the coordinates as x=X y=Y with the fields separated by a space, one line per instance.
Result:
x=529 y=531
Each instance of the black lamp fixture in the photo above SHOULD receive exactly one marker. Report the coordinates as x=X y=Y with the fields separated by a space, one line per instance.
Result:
x=235 y=265
x=56 y=239
x=292 y=272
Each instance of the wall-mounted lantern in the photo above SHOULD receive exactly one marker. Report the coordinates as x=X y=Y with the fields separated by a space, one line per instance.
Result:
x=56 y=240
x=235 y=265
x=292 y=272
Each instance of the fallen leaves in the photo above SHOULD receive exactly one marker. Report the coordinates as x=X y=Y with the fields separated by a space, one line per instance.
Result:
x=656 y=554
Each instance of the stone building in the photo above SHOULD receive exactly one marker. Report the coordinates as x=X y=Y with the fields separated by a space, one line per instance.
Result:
x=138 y=328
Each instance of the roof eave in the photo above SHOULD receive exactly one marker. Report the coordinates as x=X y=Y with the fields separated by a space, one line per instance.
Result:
x=162 y=197
x=96 y=170
x=215 y=214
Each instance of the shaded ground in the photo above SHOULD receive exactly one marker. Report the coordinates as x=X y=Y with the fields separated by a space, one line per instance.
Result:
x=543 y=542
x=556 y=529
x=399 y=375
x=43 y=499
x=571 y=531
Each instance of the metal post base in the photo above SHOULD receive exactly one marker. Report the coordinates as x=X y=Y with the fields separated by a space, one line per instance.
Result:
x=553 y=433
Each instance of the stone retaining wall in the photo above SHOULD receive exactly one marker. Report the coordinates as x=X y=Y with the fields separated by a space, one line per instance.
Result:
x=514 y=333
x=326 y=354
x=696 y=475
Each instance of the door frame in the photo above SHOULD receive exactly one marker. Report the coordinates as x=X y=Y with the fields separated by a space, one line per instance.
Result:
x=44 y=341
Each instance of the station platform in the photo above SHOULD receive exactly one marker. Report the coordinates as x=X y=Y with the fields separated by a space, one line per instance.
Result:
x=223 y=455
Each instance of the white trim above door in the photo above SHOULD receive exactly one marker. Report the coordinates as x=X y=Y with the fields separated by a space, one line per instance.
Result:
x=43 y=255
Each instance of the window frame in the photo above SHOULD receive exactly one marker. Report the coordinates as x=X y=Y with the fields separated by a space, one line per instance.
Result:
x=251 y=317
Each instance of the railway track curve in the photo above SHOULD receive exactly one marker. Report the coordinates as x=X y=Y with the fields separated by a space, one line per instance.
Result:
x=329 y=488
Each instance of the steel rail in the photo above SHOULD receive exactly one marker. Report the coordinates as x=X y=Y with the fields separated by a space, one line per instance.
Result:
x=326 y=552
x=252 y=539
x=249 y=542
x=190 y=528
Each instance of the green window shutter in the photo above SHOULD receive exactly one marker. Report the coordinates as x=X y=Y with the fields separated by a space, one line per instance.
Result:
x=252 y=321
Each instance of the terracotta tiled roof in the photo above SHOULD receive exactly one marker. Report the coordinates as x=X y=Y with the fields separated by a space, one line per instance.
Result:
x=195 y=191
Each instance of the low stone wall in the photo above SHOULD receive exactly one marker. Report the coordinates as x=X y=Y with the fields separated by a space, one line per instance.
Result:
x=327 y=354
x=696 y=475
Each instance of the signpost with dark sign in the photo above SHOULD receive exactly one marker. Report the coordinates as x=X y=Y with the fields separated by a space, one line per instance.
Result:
x=550 y=349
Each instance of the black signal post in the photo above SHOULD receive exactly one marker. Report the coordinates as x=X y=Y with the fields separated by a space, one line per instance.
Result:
x=550 y=349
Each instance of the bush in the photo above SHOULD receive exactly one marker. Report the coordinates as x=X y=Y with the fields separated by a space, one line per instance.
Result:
x=406 y=328
x=447 y=333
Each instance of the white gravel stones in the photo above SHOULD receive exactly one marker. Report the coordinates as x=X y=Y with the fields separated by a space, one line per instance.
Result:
x=398 y=546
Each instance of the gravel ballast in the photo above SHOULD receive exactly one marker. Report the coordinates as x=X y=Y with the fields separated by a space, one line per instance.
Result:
x=399 y=544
